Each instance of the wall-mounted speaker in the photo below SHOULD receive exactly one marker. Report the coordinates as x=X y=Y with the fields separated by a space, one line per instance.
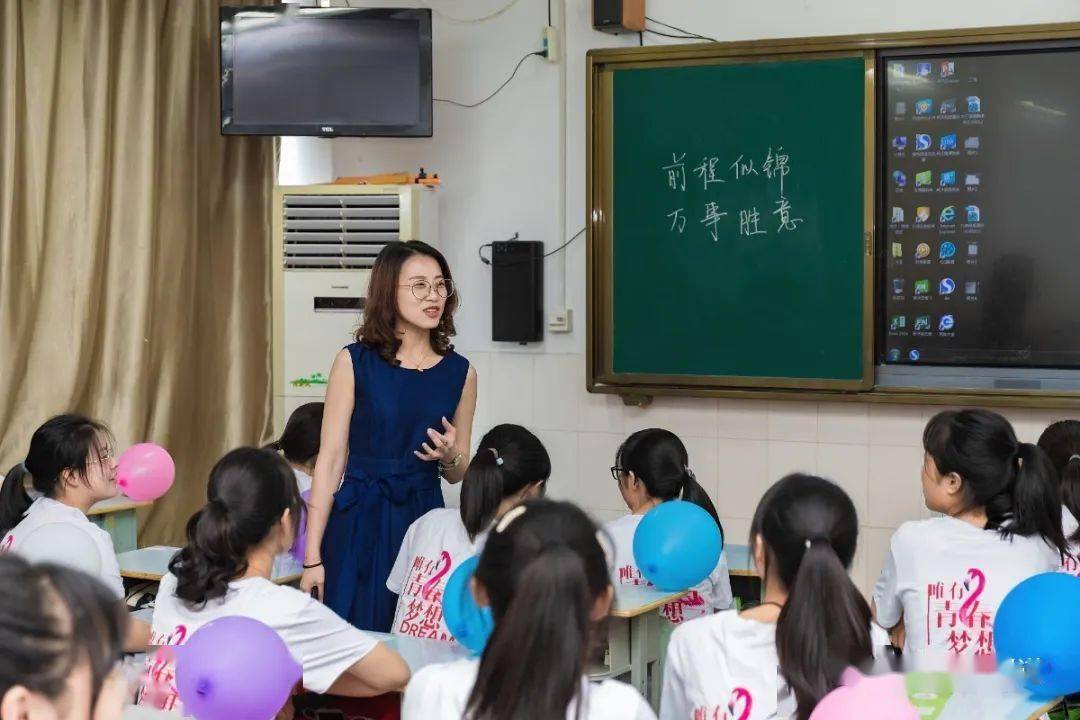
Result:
x=618 y=16
x=517 y=291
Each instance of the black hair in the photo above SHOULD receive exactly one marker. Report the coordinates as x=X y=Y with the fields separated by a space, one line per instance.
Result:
x=249 y=490
x=65 y=442
x=1014 y=481
x=543 y=571
x=809 y=529
x=510 y=459
x=1061 y=443
x=52 y=619
x=659 y=459
x=299 y=442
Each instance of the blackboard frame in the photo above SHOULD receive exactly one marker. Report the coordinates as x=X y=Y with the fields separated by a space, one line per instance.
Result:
x=639 y=389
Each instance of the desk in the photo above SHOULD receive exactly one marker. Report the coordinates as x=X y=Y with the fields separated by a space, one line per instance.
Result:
x=153 y=562
x=634 y=637
x=117 y=517
x=418 y=653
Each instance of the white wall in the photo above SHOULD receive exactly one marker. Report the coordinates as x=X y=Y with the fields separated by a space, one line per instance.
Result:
x=503 y=170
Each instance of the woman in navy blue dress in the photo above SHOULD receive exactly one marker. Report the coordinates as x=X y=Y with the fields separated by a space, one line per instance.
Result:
x=399 y=413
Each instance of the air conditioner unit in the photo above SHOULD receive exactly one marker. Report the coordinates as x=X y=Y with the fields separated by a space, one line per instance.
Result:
x=326 y=238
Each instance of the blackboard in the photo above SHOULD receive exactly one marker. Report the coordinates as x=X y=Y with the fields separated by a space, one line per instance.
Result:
x=736 y=243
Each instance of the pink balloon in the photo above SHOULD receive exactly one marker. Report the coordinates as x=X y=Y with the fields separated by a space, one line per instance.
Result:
x=145 y=472
x=300 y=543
x=883 y=697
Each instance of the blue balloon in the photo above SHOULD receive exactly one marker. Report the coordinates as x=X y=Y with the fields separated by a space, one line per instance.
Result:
x=470 y=624
x=676 y=545
x=1037 y=632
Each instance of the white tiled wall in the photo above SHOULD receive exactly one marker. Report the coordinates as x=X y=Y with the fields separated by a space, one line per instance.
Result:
x=737 y=447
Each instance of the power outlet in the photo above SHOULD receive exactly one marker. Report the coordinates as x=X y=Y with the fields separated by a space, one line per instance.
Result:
x=559 y=322
x=549 y=42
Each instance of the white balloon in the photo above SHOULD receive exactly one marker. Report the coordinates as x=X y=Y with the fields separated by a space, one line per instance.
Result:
x=62 y=544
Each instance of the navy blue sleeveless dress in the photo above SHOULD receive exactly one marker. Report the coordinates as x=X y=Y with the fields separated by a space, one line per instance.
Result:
x=386 y=487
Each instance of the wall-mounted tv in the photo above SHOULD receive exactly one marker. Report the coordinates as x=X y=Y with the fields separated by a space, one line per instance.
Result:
x=288 y=70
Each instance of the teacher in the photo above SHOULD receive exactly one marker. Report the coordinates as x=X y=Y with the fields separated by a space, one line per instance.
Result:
x=399 y=413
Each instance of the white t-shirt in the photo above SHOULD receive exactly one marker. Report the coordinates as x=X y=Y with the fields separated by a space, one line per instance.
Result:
x=724 y=666
x=434 y=546
x=946 y=578
x=440 y=692
x=45 y=511
x=324 y=644
x=711 y=594
x=303 y=480
x=1069 y=525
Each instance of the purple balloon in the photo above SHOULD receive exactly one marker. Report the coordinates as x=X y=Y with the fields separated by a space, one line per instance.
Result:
x=235 y=667
x=300 y=543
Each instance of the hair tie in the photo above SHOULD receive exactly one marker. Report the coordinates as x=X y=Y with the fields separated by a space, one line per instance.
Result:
x=510 y=516
x=498 y=460
x=811 y=541
x=1072 y=457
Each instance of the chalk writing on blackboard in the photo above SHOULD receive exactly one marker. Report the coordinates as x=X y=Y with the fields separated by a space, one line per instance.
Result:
x=775 y=165
x=676 y=172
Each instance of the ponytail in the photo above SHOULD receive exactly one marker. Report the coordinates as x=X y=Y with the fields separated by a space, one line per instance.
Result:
x=249 y=491
x=1014 y=482
x=543 y=570
x=659 y=460
x=1061 y=443
x=65 y=442
x=1036 y=507
x=809 y=529
x=509 y=460
x=302 y=437
x=14 y=500
x=823 y=627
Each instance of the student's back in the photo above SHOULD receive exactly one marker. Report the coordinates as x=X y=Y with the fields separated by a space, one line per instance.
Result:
x=545 y=576
x=1061 y=443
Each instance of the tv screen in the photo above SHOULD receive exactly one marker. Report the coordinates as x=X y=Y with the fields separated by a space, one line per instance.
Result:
x=981 y=251
x=325 y=71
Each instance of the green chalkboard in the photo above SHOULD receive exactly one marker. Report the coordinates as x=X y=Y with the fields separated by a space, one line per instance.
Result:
x=738 y=245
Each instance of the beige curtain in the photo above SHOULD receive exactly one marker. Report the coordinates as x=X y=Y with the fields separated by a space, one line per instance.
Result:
x=134 y=239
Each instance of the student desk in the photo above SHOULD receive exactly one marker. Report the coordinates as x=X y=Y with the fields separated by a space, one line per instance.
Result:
x=117 y=517
x=152 y=563
x=634 y=630
x=745 y=583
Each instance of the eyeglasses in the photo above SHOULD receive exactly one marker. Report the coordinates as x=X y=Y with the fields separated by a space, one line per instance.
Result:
x=617 y=472
x=105 y=457
x=421 y=289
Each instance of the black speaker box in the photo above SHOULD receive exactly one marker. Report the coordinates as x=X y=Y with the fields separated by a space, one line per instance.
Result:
x=517 y=291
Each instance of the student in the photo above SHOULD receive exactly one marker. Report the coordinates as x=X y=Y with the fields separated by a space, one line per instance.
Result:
x=777 y=660
x=545 y=576
x=652 y=467
x=70 y=465
x=510 y=466
x=60 y=631
x=224 y=569
x=945 y=577
x=299 y=442
x=1061 y=443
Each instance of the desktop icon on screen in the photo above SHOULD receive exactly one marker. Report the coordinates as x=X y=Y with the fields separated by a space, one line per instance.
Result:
x=898 y=250
x=898 y=322
x=913 y=355
x=946 y=286
x=897 y=69
x=948 y=68
x=897 y=214
x=973 y=249
x=947 y=250
x=922 y=214
x=899 y=178
x=948 y=178
x=922 y=287
x=971 y=143
x=973 y=214
x=923 y=141
x=894 y=355
x=901 y=108
x=948 y=142
x=948 y=214
x=898 y=286
x=974 y=104
x=924 y=178
x=971 y=287
x=922 y=322
x=922 y=251
x=899 y=142
x=922 y=69
x=947 y=323
x=948 y=107
x=924 y=106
